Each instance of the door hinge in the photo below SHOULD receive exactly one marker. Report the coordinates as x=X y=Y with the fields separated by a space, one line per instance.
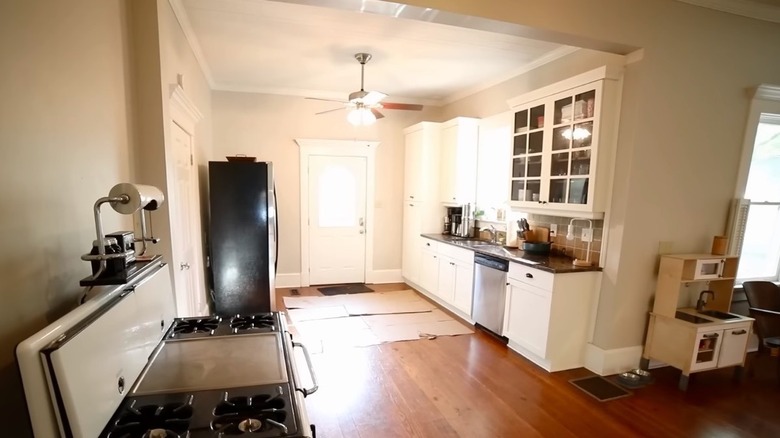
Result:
x=191 y=161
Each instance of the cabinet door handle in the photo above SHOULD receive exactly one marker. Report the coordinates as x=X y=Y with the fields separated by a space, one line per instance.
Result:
x=739 y=332
x=711 y=336
x=529 y=275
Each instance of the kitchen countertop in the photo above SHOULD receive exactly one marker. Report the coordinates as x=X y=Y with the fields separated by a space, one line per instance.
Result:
x=704 y=320
x=557 y=264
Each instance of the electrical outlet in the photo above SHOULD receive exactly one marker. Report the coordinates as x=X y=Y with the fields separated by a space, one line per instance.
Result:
x=587 y=234
x=553 y=230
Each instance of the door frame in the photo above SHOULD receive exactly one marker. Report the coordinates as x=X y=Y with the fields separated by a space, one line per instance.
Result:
x=186 y=115
x=337 y=148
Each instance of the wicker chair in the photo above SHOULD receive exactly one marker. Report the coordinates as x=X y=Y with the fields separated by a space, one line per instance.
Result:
x=764 y=300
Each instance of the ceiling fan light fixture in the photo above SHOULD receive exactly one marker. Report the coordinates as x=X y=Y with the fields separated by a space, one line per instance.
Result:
x=361 y=116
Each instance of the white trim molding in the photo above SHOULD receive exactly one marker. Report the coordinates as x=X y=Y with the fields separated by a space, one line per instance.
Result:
x=745 y=8
x=353 y=148
x=607 y=362
x=189 y=34
x=384 y=276
x=183 y=110
x=288 y=280
x=767 y=92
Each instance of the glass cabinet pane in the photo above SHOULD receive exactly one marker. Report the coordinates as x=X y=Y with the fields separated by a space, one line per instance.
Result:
x=535 y=142
x=578 y=191
x=557 y=190
x=582 y=135
x=533 y=188
x=534 y=165
x=518 y=167
x=520 y=145
x=562 y=111
x=537 y=117
x=518 y=190
x=561 y=138
x=560 y=164
x=580 y=162
x=521 y=122
x=584 y=105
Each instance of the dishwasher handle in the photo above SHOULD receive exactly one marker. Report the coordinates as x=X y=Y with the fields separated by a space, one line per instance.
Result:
x=491 y=262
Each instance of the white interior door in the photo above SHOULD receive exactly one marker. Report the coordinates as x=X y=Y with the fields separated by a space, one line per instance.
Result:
x=337 y=219
x=188 y=301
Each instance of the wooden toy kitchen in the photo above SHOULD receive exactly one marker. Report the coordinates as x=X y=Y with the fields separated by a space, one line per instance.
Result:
x=700 y=338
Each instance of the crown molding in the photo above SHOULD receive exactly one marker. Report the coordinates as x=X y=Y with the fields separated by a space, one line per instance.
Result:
x=333 y=95
x=189 y=34
x=767 y=92
x=745 y=8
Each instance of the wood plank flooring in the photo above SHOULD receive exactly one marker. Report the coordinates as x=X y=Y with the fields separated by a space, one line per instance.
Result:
x=473 y=386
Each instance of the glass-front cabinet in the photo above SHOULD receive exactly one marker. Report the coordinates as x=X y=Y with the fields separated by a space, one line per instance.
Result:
x=556 y=148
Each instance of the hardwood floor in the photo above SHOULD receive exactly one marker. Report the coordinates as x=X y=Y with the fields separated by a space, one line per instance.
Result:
x=473 y=386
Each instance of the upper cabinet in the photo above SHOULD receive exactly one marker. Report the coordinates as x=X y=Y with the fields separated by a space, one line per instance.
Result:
x=458 y=162
x=421 y=157
x=563 y=146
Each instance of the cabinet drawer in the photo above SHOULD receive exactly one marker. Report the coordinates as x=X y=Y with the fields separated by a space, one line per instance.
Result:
x=531 y=276
x=455 y=253
x=430 y=245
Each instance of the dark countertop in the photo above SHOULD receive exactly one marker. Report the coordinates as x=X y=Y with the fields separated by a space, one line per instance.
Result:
x=557 y=264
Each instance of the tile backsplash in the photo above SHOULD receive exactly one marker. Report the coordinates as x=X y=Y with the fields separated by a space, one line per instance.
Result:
x=576 y=247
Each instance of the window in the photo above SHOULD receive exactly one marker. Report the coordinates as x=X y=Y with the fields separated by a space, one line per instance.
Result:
x=758 y=230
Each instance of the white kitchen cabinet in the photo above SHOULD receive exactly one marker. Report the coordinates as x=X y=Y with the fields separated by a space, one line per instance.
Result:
x=458 y=161
x=528 y=316
x=429 y=268
x=412 y=244
x=548 y=316
x=421 y=161
x=734 y=346
x=564 y=137
x=456 y=277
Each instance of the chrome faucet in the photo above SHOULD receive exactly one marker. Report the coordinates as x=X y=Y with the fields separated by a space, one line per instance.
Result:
x=493 y=233
x=700 y=303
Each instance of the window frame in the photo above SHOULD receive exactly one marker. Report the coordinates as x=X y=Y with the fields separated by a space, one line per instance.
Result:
x=764 y=108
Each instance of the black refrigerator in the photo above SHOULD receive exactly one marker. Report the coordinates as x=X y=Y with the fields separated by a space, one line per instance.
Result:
x=242 y=237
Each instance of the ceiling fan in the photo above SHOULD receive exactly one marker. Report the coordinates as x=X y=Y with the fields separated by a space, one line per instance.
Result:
x=364 y=105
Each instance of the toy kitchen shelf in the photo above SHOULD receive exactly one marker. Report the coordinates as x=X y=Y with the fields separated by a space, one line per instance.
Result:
x=691 y=340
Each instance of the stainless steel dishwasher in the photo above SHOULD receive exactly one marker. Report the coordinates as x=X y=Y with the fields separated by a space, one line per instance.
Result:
x=489 y=292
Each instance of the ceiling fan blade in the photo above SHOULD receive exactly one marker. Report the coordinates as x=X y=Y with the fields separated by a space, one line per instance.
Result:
x=377 y=114
x=328 y=111
x=326 y=100
x=402 y=106
x=373 y=98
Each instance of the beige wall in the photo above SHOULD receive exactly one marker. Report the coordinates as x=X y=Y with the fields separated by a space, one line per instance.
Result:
x=65 y=141
x=682 y=124
x=266 y=126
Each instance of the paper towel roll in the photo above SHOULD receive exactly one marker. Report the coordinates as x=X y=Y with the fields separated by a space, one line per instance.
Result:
x=139 y=196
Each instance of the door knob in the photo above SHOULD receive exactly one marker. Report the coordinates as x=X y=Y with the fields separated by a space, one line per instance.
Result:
x=184 y=266
x=361 y=222
x=362 y=232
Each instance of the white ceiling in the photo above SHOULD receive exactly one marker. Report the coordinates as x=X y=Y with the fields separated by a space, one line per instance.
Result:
x=302 y=50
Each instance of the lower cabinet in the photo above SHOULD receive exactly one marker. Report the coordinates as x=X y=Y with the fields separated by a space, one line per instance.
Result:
x=548 y=316
x=429 y=269
x=456 y=280
x=528 y=316
x=691 y=348
x=447 y=275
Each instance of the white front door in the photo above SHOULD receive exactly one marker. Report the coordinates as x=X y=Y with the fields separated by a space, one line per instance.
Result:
x=337 y=219
x=188 y=301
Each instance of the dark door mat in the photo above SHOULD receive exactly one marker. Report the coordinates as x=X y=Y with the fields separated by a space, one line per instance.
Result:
x=599 y=388
x=345 y=289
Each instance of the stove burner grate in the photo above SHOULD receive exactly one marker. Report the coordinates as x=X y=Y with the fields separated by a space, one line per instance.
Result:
x=171 y=420
x=255 y=414
x=196 y=325
x=241 y=323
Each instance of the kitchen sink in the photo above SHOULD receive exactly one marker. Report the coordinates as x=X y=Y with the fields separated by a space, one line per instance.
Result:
x=718 y=314
x=690 y=318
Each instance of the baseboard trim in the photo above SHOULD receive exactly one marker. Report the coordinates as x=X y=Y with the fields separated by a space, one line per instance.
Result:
x=384 y=276
x=288 y=280
x=607 y=362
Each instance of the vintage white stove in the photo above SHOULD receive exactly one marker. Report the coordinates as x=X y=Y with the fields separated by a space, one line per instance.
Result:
x=121 y=366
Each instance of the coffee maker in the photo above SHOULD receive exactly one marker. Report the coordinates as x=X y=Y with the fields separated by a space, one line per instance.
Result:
x=460 y=221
